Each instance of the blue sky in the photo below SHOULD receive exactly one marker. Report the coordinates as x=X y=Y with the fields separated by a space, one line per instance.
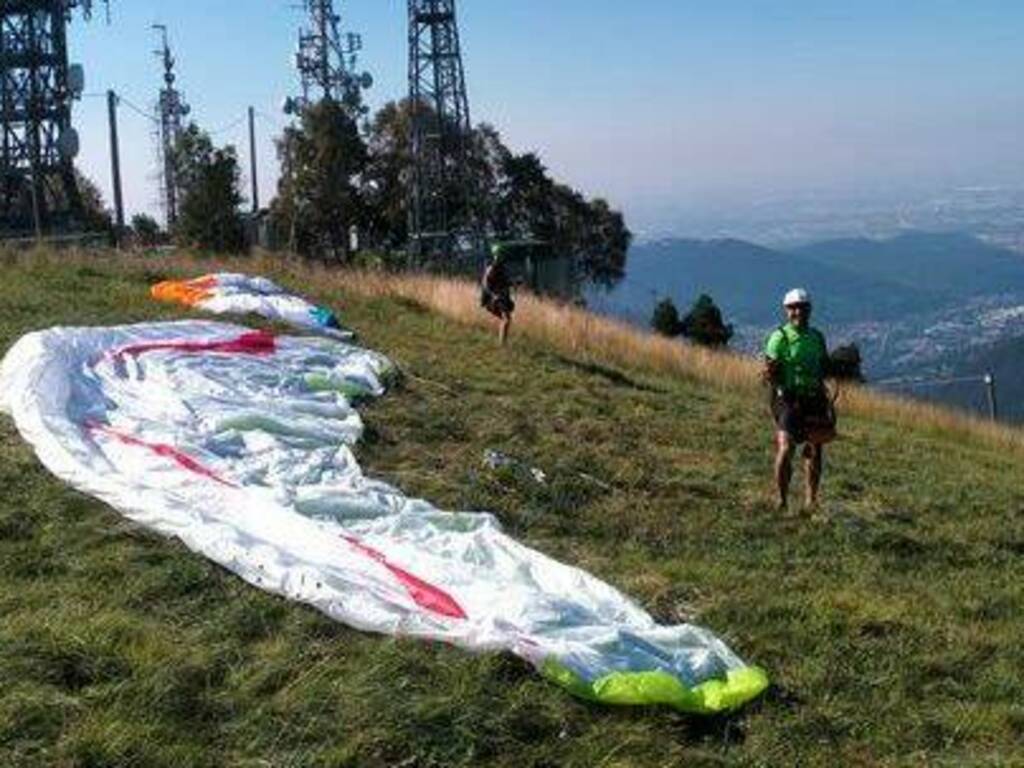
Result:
x=655 y=104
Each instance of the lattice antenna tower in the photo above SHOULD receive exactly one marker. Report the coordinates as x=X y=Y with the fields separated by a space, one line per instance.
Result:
x=171 y=110
x=440 y=215
x=326 y=60
x=37 y=88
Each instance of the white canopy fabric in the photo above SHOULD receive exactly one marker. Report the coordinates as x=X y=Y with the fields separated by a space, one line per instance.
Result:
x=239 y=443
x=224 y=293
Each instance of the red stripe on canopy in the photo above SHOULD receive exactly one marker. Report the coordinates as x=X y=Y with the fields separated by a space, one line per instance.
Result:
x=425 y=595
x=252 y=343
x=182 y=459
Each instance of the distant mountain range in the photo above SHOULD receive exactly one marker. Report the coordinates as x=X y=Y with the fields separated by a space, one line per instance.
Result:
x=921 y=306
x=854 y=280
x=950 y=266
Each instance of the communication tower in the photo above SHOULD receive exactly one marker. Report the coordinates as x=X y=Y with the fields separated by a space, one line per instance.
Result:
x=326 y=60
x=37 y=87
x=439 y=195
x=171 y=109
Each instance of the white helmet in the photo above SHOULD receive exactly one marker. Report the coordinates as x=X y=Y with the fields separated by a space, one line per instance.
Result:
x=796 y=296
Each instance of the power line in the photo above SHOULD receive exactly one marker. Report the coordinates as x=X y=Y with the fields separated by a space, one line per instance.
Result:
x=914 y=383
x=230 y=126
x=275 y=121
x=137 y=109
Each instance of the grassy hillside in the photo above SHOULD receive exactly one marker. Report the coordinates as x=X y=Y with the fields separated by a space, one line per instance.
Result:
x=890 y=621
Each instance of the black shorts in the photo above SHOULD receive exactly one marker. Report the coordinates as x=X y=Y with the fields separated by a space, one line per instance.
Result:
x=803 y=417
x=499 y=304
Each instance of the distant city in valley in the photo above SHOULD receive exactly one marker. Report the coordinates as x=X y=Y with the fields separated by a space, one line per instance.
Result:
x=931 y=289
x=994 y=214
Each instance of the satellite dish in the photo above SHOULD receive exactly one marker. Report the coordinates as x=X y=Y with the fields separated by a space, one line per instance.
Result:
x=76 y=80
x=68 y=144
x=366 y=81
x=186 y=110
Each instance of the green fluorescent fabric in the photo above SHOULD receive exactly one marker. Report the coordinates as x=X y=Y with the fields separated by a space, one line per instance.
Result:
x=739 y=687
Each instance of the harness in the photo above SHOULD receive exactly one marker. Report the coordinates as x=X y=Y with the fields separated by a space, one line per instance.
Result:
x=824 y=424
x=488 y=295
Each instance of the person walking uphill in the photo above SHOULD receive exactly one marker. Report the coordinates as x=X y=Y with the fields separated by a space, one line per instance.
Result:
x=496 y=292
x=796 y=365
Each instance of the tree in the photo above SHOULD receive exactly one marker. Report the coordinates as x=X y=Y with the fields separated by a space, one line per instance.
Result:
x=703 y=324
x=146 y=230
x=525 y=206
x=530 y=204
x=485 y=156
x=511 y=196
x=845 y=363
x=595 y=233
x=208 y=177
x=666 y=319
x=318 y=199
x=97 y=217
x=387 y=175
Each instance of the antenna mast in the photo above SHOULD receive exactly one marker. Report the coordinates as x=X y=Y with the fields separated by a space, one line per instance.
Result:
x=327 y=61
x=439 y=204
x=172 y=108
x=38 y=189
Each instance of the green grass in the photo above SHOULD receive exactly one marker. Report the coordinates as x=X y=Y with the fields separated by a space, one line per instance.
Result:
x=889 y=622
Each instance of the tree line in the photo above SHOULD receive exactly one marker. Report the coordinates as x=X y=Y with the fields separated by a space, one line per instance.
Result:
x=340 y=177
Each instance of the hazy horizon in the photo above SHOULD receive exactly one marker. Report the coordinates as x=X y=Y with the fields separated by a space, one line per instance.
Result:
x=671 y=112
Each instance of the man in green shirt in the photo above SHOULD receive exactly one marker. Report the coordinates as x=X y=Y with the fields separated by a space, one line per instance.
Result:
x=796 y=364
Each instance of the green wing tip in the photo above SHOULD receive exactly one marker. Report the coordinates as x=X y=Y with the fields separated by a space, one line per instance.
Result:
x=739 y=687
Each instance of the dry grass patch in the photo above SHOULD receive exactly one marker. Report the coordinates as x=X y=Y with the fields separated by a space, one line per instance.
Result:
x=569 y=329
x=592 y=337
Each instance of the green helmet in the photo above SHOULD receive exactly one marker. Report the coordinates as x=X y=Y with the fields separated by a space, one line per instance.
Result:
x=497 y=250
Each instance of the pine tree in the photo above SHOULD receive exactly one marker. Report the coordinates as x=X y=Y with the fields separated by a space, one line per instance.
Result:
x=845 y=363
x=666 y=319
x=703 y=324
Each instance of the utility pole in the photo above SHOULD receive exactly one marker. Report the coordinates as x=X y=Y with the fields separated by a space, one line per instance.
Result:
x=115 y=166
x=440 y=201
x=252 y=161
x=990 y=388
